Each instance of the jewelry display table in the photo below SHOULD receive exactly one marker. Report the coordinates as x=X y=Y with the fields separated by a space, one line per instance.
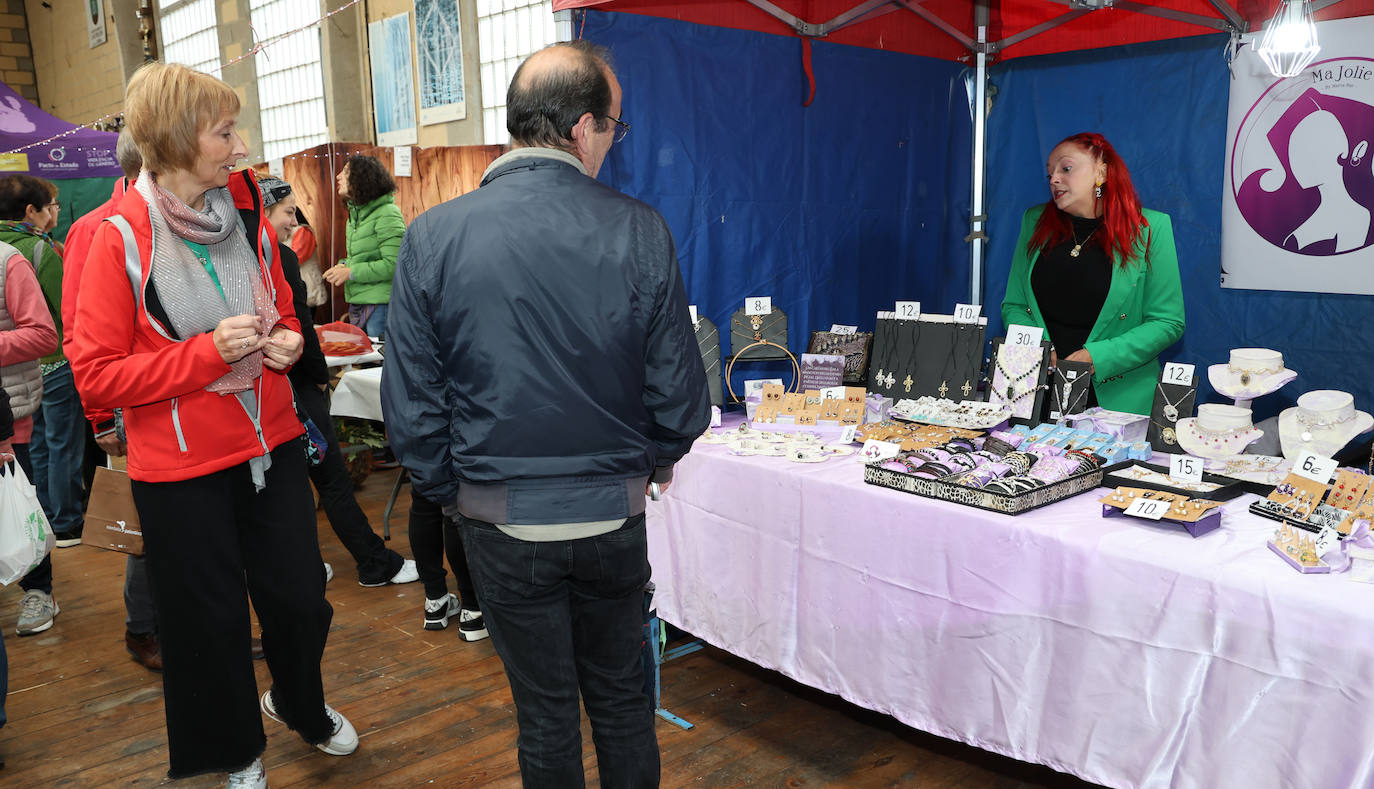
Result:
x=1126 y=653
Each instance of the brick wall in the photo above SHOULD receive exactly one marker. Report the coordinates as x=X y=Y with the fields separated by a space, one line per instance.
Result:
x=16 y=59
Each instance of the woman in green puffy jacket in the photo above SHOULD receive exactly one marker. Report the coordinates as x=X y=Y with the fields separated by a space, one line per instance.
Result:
x=373 y=235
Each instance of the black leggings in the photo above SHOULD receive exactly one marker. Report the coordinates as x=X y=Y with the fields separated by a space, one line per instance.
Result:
x=432 y=536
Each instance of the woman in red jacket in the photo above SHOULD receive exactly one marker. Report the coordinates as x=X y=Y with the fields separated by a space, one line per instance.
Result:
x=182 y=323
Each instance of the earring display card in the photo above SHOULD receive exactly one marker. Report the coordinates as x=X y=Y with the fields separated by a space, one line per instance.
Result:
x=1172 y=403
x=853 y=347
x=1018 y=377
x=745 y=330
x=708 y=340
x=929 y=357
x=1070 y=384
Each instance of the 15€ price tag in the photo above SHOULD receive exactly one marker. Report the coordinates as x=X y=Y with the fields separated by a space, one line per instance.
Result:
x=1178 y=373
x=908 y=310
x=1152 y=509
x=839 y=328
x=1314 y=467
x=758 y=305
x=967 y=313
x=847 y=435
x=1026 y=336
x=1185 y=468
x=875 y=450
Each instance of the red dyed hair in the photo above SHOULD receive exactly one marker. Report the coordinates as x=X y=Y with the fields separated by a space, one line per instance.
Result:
x=1122 y=219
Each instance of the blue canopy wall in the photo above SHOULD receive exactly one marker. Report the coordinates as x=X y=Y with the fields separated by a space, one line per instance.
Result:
x=1163 y=106
x=834 y=210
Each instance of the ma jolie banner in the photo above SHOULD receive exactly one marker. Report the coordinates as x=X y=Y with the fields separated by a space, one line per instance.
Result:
x=1298 y=209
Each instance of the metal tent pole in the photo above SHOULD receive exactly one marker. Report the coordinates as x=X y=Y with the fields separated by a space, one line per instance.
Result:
x=977 y=236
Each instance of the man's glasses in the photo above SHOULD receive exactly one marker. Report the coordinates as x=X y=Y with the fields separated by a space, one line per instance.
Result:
x=621 y=128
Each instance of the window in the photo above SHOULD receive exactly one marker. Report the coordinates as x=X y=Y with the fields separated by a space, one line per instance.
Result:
x=507 y=32
x=189 y=35
x=290 y=79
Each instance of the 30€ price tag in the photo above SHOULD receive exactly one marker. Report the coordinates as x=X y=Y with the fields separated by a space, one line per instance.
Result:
x=1314 y=467
x=847 y=435
x=1185 y=468
x=1025 y=336
x=692 y=310
x=967 y=313
x=1152 y=509
x=839 y=328
x=908 y=310
x=758 y=305
x=1178 y=373
x=875 y=450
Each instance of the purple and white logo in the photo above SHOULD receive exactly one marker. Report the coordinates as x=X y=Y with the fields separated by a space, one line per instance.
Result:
x=1301 y=160
x=57 y=154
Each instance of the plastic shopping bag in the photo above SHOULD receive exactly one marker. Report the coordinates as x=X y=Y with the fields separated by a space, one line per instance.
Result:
x=25 y=537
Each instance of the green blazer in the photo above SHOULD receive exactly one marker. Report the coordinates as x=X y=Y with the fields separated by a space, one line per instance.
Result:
x=373 y=238
x=1143 y=313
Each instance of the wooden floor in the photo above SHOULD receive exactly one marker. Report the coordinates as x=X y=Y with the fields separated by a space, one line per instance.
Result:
x=432 y=710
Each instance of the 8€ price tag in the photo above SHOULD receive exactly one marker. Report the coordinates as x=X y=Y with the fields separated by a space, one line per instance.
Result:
x=847 y=435
x=967 y=313
x=1185 y=468
x=875 y=450
x=1151 y=509
x=1178 y=373
x=1314 y=467
x=1025 y=336
x=758 y=305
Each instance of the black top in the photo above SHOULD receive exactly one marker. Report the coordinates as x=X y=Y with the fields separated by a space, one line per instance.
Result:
x=1070 y=291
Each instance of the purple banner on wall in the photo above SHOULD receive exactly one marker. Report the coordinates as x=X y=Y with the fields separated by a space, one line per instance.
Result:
x=78 y=153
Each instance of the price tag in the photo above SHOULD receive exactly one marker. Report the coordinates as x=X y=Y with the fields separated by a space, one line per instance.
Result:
x=908 y=310
x=1314 y=467
x=1151 y=509
x=1185 y=468
x=401 y=161
x=967 y=313
x=758 y=305
x=832 y=393
x=692 y=310
x=1025 y=336
x=1178 y=373
x=1328 y=539
x=875 y=450
x=275 y=167
x=838 y=328
x=715 y=416
x=847 y=435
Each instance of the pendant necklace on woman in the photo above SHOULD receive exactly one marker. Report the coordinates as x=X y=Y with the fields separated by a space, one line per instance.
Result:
x=1078 y=245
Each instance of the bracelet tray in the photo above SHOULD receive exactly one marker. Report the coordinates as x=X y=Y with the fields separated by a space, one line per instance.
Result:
x=1230 y=488
x=1323 y=516
x=1007 y=504
x=1209 y=522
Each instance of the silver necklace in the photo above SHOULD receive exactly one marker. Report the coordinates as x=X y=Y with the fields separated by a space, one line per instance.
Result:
x=1312 y=422
x=1065 y=389
x=1170 y=410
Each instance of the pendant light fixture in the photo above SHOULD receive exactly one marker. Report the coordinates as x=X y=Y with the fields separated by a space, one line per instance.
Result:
x=1289 y=43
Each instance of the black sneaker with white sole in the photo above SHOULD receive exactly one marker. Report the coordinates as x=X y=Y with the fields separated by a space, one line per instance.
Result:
x=471 y=626
x=438 y=612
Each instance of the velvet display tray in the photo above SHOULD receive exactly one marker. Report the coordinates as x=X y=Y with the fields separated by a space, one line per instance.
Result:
x=1209 y=522
x=1114 y=477
x=1005 y=503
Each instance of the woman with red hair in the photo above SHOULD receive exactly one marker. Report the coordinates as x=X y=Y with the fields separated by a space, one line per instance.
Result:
x=1098 y=273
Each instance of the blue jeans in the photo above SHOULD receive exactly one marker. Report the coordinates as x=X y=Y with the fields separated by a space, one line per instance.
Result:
x=375 y=325
x=58 y=448
x=565 y=617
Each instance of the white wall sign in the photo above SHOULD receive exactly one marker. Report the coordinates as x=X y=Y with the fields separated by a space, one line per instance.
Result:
x=95 y=22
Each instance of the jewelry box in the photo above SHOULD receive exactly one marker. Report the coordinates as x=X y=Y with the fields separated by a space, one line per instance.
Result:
x=1151 y=476
x=853 y=347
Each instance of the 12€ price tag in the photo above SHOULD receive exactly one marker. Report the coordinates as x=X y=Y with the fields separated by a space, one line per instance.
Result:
x=839 y=328
x=1185 y=468
x=1314 y=467
x=1151 y=509
x=692 y=310
x=758 y=305
x=1178 y=373
x=1026 y=336
x=847 y=435
x=875 y=450
x=908 y=310
x=967 y=313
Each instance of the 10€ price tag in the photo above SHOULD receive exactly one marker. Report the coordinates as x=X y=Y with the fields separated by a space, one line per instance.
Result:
x=967 y=313
x=1151 y=509
x=758 y=305
x=1178 y=373
x=875 y=450
x=1314 y=467
x=839 y=328
x=1026 y=336
x=1185 y=468
x=908 y=310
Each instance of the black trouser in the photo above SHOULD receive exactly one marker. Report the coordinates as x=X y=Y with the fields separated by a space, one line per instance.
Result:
x=376 y=562
x=567 y=616
x=211 y=543
x=40 y=577
x=432 y=537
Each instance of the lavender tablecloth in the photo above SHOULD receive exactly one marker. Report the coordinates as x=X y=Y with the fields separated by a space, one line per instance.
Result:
x=1126 y=653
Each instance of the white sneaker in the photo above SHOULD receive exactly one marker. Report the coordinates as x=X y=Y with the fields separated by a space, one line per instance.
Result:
x=438 y=612
x=342 y=742
x=251 y=777
x=408 y=574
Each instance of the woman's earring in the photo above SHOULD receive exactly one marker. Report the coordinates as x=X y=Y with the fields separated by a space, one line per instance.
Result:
x=1097 y=192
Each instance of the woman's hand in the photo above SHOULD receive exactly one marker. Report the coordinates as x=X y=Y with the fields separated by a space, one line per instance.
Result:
x=283 y=348
x=1080 y=355
x=6 y=451
x=338 y=274
x=238 y=336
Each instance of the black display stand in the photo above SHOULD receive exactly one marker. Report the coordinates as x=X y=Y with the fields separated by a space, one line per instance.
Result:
x=1171 y=400
x=1041 y=383
x=931 y=356
x=708 y=340
x=750 y=330
x=1070 y=385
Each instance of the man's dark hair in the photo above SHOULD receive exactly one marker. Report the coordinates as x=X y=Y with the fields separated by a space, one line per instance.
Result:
x=18 y=192
x=542 y=110
x=367 y=179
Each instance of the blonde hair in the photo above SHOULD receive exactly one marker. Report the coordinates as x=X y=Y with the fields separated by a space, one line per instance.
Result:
x=167 y=106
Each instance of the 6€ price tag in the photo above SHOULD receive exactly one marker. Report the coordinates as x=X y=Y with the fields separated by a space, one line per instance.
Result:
x=1314 y=467
x=847 y=435
x=1185 y=468
x=875 y=450
x=967 y=313
x=908 y=310
x=758 y=305
x=840 y=328
x=1027 y=336
x=1178 y=373
x=1151 y=509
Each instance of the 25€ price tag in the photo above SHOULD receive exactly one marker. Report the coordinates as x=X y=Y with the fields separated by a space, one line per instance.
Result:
x=847 y=435
x=875 y=450
x=1152 y=509
x=967 y=313
x=839 y=328
x=692 y=310
x=908 y=310
x=758 y=305
x=1025 y=336
x=1314 y=467
x=1178 y=373
x=1185 y=468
